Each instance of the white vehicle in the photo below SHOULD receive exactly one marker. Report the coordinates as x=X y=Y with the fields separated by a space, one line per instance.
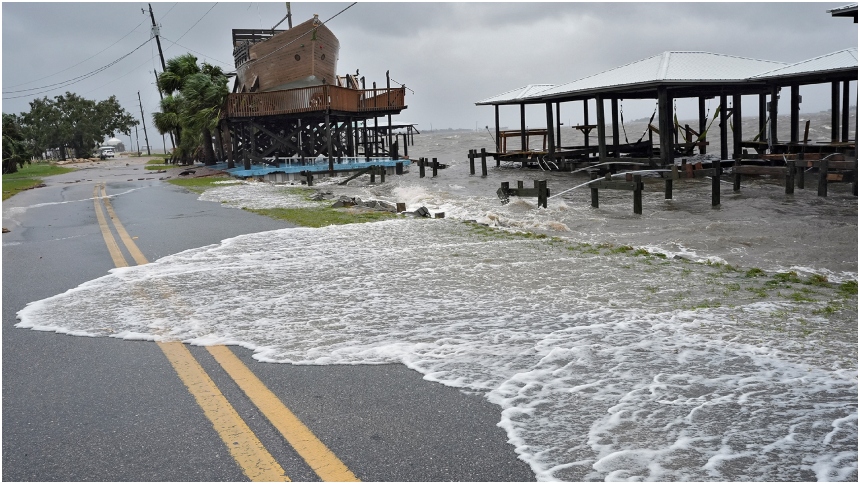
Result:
x=107 y=153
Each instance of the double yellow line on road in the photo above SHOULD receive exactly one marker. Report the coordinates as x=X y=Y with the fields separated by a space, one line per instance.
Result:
x=250 y=454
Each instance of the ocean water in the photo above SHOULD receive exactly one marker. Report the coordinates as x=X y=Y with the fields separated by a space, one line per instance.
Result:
x=689 y=343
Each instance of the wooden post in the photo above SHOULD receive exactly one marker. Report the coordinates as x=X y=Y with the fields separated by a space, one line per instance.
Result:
x=421 y=167
x=715 y=185
x=405 y=145
x=372 y=174
x=330 y=165
x=435 y=167
x=736 y=186
x=845 y=110
x=594 y=201
x=795 y=113
x=471 y=162
x=834 y=107
x=558 y=123
x=737 y=121
x=398 y=168
x=724 y=128
x=703 y=122
x=498 y=130
x=247 y=135
x=550 y=132
x=664 y=101
x=586 y=132
x=822 y=178
x=523 y=127
x=310 y=178
x=542 y=194
x=801 y=172
x=382 y=172
x=483 y=162
x=601 y=129
x=774 y=110
x=615 y=139
x=670 y=180
x=350 y=147
x=637 y=194
x=762 y=117
x=789 y=177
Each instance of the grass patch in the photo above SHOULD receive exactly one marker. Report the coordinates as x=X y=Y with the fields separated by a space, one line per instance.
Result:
x=848 y=289
x=198 y=185
x=817 y=280
x=754 y=272
x=323 y=216
x=29 y=176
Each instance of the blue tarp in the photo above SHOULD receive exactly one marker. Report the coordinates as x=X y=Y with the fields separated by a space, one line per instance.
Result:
x=313 y=165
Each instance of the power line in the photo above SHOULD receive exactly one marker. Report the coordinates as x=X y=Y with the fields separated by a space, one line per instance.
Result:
x=79 y=63
x=199 y=53
x=165 y=13
x=195 y=24
x=75 y=80
x=120 y=77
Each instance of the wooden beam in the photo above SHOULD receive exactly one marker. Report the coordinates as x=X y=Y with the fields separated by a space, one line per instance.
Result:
x=664 y=101
x=774 y=111
x=615 y=138
x=834 y=107
x=549 y=131
x=795 y=113
x=724 y=128
x=498 y=141
x=585 y=120
x=762 y=117
x=703 y=122
x=737 y=122
x=523 y=127
x=845 y=109
x=601 y=129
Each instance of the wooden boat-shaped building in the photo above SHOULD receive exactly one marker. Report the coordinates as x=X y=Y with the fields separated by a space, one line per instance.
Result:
x=288 y=100
x=273 y=60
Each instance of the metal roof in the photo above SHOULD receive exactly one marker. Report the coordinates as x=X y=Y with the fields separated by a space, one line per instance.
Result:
x=845 y=10
x=839 y=60
x=681 y=69
x=516 y=94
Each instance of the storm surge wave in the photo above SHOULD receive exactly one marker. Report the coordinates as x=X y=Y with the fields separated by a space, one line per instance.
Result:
x=606 y=362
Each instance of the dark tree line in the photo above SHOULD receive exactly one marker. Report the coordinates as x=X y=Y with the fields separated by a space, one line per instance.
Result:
x=65 y=123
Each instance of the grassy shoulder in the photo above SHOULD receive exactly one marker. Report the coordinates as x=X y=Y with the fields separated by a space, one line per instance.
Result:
x=323 y=216
x=31 y=175
x=198 y=185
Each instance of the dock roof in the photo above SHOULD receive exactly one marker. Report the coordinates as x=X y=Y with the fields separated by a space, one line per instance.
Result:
x=688 y=73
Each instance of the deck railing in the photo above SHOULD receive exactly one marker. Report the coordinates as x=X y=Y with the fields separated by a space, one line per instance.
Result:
x=313 y=99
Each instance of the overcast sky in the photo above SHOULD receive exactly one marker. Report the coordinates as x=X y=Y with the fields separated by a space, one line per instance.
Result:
x=450 y=54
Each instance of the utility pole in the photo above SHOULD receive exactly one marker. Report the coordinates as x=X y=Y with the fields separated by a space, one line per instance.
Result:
x=143 y=120
x=157 y=40
x=161 y=96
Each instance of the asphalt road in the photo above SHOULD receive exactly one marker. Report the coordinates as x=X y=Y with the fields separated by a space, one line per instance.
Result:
x=102 y=409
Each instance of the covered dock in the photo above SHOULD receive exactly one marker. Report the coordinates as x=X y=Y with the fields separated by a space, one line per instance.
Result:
x=674 y=75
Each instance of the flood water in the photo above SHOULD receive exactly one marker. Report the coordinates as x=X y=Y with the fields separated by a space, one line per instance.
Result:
x=687 y=343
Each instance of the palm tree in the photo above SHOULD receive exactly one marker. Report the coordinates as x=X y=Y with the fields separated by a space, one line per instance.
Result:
x=194 y=98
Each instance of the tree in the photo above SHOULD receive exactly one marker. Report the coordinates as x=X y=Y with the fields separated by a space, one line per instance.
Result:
x=71 y=121
x=16 y=150
x=195 y=95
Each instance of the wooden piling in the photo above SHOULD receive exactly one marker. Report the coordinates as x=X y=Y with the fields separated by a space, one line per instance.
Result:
x=801 y=172
x=637 y=194
x=715 y=185
x=435 y=167
x=789 y=177
x=594 y=201
x=542 y=194
x=736 y=186
x=382 y=171
x=822 y=178
x=398 y=168
x=483 y=162
x=373 y=175
x=471 y=162
x=310 y=178
x=421 y=167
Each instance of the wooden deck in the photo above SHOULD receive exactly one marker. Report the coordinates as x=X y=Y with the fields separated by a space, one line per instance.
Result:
x=315 y=99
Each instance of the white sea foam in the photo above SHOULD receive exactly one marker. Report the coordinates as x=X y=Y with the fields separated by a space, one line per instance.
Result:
x=605 y=366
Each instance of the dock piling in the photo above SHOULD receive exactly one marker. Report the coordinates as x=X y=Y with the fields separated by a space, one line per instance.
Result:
x=789 y=176
x=483 y=162
x=822 y=178
x=637 y=194
x=421 y=167
x=471 y=162
x=435 y=167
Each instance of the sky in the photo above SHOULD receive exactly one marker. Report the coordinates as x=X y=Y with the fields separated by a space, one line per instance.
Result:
x=449 y=55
